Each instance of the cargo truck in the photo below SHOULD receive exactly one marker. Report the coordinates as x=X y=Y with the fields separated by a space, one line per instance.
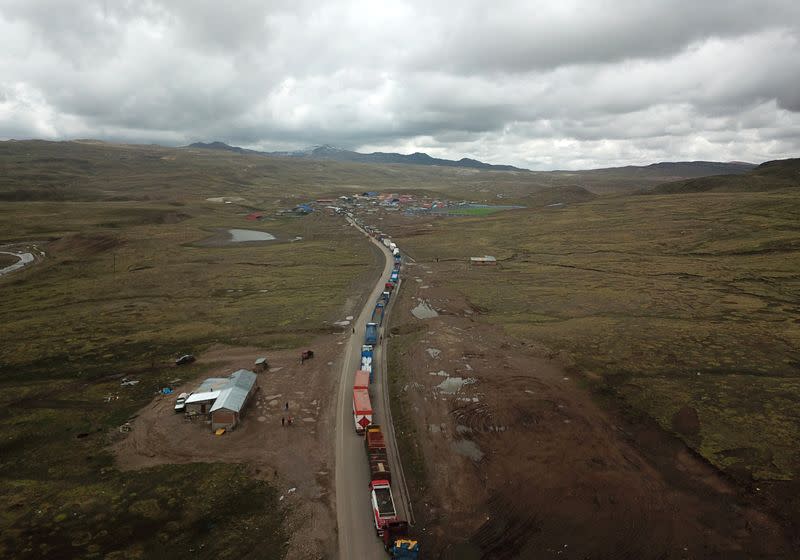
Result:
x=379 y=466
x=377 y=313
x=371 y=335
x=383 y=509
x=361 y=380
x=396 y=252
x=397 y=543
x=362 y=410
x=394 y=278
x=366 y=362
x=388 y=286
x=385 y=296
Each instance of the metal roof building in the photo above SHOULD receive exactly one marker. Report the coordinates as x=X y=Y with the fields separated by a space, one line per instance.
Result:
x=223 y=398
x=229 y=406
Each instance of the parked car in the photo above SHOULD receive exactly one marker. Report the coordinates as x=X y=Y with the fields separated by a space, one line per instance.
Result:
x=180 y=402
x=185 y=359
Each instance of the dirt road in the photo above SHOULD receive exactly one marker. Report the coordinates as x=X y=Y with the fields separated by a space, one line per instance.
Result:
x=357 y=538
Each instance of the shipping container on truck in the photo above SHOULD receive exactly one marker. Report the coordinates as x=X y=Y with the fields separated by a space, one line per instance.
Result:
x=362 y=410
x=386 y=242
x=392 y=245
x=371 y=334
x=377 y=313
x=382 y=505
x=396 y=252
x=361 y=380
x=395 y=277
x=369 y=367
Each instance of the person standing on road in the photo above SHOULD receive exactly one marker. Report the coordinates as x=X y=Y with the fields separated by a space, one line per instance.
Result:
x=286 y=406
x=283 y=421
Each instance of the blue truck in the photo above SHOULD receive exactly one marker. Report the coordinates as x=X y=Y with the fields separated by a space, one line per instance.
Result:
x=371 y=335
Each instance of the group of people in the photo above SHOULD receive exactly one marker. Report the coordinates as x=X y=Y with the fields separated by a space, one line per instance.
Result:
x=284 y=421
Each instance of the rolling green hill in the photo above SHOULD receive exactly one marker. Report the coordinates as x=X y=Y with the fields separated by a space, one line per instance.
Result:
x=772 y=175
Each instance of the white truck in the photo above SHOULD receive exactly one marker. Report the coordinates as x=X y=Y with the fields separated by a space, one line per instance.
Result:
x=180 y=402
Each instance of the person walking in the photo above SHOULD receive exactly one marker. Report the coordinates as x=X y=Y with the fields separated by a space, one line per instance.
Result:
x=283 y=421
x=286 y=406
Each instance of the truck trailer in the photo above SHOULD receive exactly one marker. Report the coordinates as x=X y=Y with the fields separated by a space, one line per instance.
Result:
x=362 y=410
x=361 y=380
x=377 y=313
x=371 y=335
x=383 y=509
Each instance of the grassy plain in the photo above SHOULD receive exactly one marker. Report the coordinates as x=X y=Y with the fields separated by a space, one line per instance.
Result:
x=666 y=301
x=123 y=289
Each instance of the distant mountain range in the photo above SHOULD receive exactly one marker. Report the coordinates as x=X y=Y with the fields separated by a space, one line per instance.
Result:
x=664 y=171
x=332 y=153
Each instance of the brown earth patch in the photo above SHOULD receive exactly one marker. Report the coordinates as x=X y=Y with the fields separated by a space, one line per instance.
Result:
x=521 y=461
x=686 y=421
x=297 y=459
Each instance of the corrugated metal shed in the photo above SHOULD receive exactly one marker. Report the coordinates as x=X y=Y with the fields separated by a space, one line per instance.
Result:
x=234 y=396
x=202 y=397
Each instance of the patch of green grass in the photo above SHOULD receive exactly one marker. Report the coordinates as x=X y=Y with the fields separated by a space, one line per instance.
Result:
x=648 y=292
x=402 y=416
x=123 y=289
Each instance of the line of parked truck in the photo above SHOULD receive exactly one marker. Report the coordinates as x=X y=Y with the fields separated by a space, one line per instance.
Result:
x=390 y=527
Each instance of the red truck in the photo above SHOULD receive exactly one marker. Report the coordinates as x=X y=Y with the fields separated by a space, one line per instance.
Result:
x=376 y=454
x=382 y=505
x=361 y=380
x=362 y=410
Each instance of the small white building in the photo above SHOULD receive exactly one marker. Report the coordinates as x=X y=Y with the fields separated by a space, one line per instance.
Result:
x=486 y=260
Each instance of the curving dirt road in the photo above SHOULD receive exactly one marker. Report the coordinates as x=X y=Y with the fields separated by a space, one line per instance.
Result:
x=357 y=538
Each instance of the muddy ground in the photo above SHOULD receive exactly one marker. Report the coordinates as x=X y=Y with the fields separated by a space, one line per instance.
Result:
x=297 y=459
x=522 y=462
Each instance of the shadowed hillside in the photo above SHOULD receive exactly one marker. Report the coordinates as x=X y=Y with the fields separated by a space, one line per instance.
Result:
x=772 y=175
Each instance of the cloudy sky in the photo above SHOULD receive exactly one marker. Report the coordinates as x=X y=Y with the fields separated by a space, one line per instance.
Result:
x=539 y=84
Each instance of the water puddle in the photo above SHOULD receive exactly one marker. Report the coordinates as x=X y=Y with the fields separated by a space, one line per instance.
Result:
x=244 y=235
x=24 y=259
x=424 y=311
x=453 y=385
x=468 y=448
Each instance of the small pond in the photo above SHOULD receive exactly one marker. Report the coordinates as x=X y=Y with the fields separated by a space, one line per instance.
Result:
x=243 y=235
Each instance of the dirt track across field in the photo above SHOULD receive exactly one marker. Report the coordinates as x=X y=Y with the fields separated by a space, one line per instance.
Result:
x=521 y=462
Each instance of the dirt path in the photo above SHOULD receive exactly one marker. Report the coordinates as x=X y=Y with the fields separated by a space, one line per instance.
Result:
x=521 y=462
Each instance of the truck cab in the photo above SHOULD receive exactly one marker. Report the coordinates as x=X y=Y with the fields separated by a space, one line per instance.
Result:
x=371 y=335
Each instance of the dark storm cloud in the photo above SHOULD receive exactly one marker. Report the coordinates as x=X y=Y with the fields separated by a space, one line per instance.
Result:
x=555 y=84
